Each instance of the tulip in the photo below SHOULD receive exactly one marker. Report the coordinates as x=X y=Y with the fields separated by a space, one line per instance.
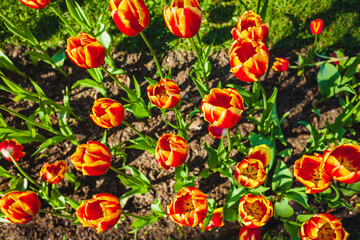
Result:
x=250 y=26
x=130 y=16
x=53 y=172
x=189 y=207
x=309 y=172
x=171 y=151
x=13 y=148
x=248 y=59
x=92 y=158
x=183 y=18
x=216 y=221
x=217 y=132
x=262 y=153
x=20 y=207
x=281 y=64
x=164 y=94
x=85 y=51
x=250 y=173
x=247 y=233
x=107 y=113
x=323 y=226
x=222 y=108
x=101 y=212
x=37 y=4
x=255 y=210
x=343 y=163
x=316 y=26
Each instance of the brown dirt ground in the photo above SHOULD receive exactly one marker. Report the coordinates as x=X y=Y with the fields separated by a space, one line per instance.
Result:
x=296 y=95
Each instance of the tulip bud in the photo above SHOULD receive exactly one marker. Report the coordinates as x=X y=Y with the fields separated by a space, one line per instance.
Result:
x=189 y=207
x=130 y=16
x=92 y=158
x=164 y=94
x=53 y=172
x=247 y=233
x=85 y=51
x=107 y=113
x=183 y=17
x=171 y=151
x=13 y=148
x=20 y=207
x=101 y=212
x=37 y=4
x=323 y=226
x=316 y=26
x=281 y=64
x=222 y=108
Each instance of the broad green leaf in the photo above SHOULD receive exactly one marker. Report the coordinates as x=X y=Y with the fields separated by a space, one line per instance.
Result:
x=57 y=199
x=19 y=183
x=78 y=14
x=96 y=74
x=259 y=190
x=141 y=144
x=298 y=195
x=349 y=74
x=327 y=78
x=283 y=209
x=138 y=182
x=5 y=174
x=293 y=229
x=90 y=83
x=282 y=178
x=59 y=58
x=303 y=217
x=350 y=189
x=6 y=63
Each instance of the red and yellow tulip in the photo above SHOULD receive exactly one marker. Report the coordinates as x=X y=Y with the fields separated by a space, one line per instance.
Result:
x=107 y=113
x=53 y=172
x=323 y=226
x=262 y=153
x=101 y=212
x=164 y=94
x=85 y=51
x=20 y=207
x=255 y=210
x=37 y=4
x=248 y=59
x=317 y=26
x=189 y=207
x=222 y=108
x=92 y=158
x=171 y=151
x=183 y=17
x=343 y=163
x=250 y=25
x=308 y=170
x=281 y=64
x=11 y=147
x=216 y=221
x=130 y=16
x=247 y=233
x=250 y=173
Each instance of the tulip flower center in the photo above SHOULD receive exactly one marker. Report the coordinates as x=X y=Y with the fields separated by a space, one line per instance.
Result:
x=326 y=232
x=348 y=165
x=186 y=204
x=250 y=172
x=254 y=210
x=316 y=175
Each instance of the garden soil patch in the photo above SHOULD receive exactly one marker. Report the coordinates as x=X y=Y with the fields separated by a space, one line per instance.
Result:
x=296 y=95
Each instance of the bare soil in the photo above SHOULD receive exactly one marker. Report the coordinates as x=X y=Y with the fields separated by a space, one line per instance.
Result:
x=297 y=95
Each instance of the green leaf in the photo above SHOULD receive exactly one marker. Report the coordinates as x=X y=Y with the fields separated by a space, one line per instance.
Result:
x=90 y=83
x=72 y=179
x=345 y=88
x=293 y=229
x=96 y=74
x=209 y=213
x=264 y=10
x=50 y=142
x=6 y=63
x=57 y=199
x=212 y=161
x=78 y=14
x=182 y=178
x=200 y=87
x=282 y=178
x=59 y=58
x=327 y=78
x=138 y=182
x=303 y=217
x=137 y=109
x=5 y=174
x=156 y=208
x=141 y=144
x=116 y=71
x=205 y=173
x=349 y=74
x=283 y=209
x=19 y=183
x=298 y=195
x=350 y=189
x=44 y=57
x=258 y=190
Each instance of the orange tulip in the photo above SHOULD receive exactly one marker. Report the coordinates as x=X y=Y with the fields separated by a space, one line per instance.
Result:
x=130 y=16
x=323 y=226
x=343 y=163
x=11 y=146
x=248 y=59
x=262 y=153
x=37 y=4
x=309 y=172
x=247 y=233
x=53 y=172
x=317 y=26
x=171 y=151
x=222 y=108
x=107 y=113
x=183 y=18
x=216 y=221
x=250 y=26
x=164 y=94
x=250 y=173
x=85 y=51
x=20 y=207
x=101 y=212
x=189 y=207
x=281 y=64
x=92 y=158
x=255 y=210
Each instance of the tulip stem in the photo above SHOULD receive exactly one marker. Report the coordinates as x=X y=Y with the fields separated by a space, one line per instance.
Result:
x=135 y=216
x=117 y=171
x=139 y=133
x=64 y=21
x=58 y=214
x=263 y=94
x=24 y=173
x=199 y=56
x=153 y=54
x=229 y=141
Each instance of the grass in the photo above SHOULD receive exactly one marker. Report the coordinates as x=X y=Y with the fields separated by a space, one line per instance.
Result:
x=289 y=22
